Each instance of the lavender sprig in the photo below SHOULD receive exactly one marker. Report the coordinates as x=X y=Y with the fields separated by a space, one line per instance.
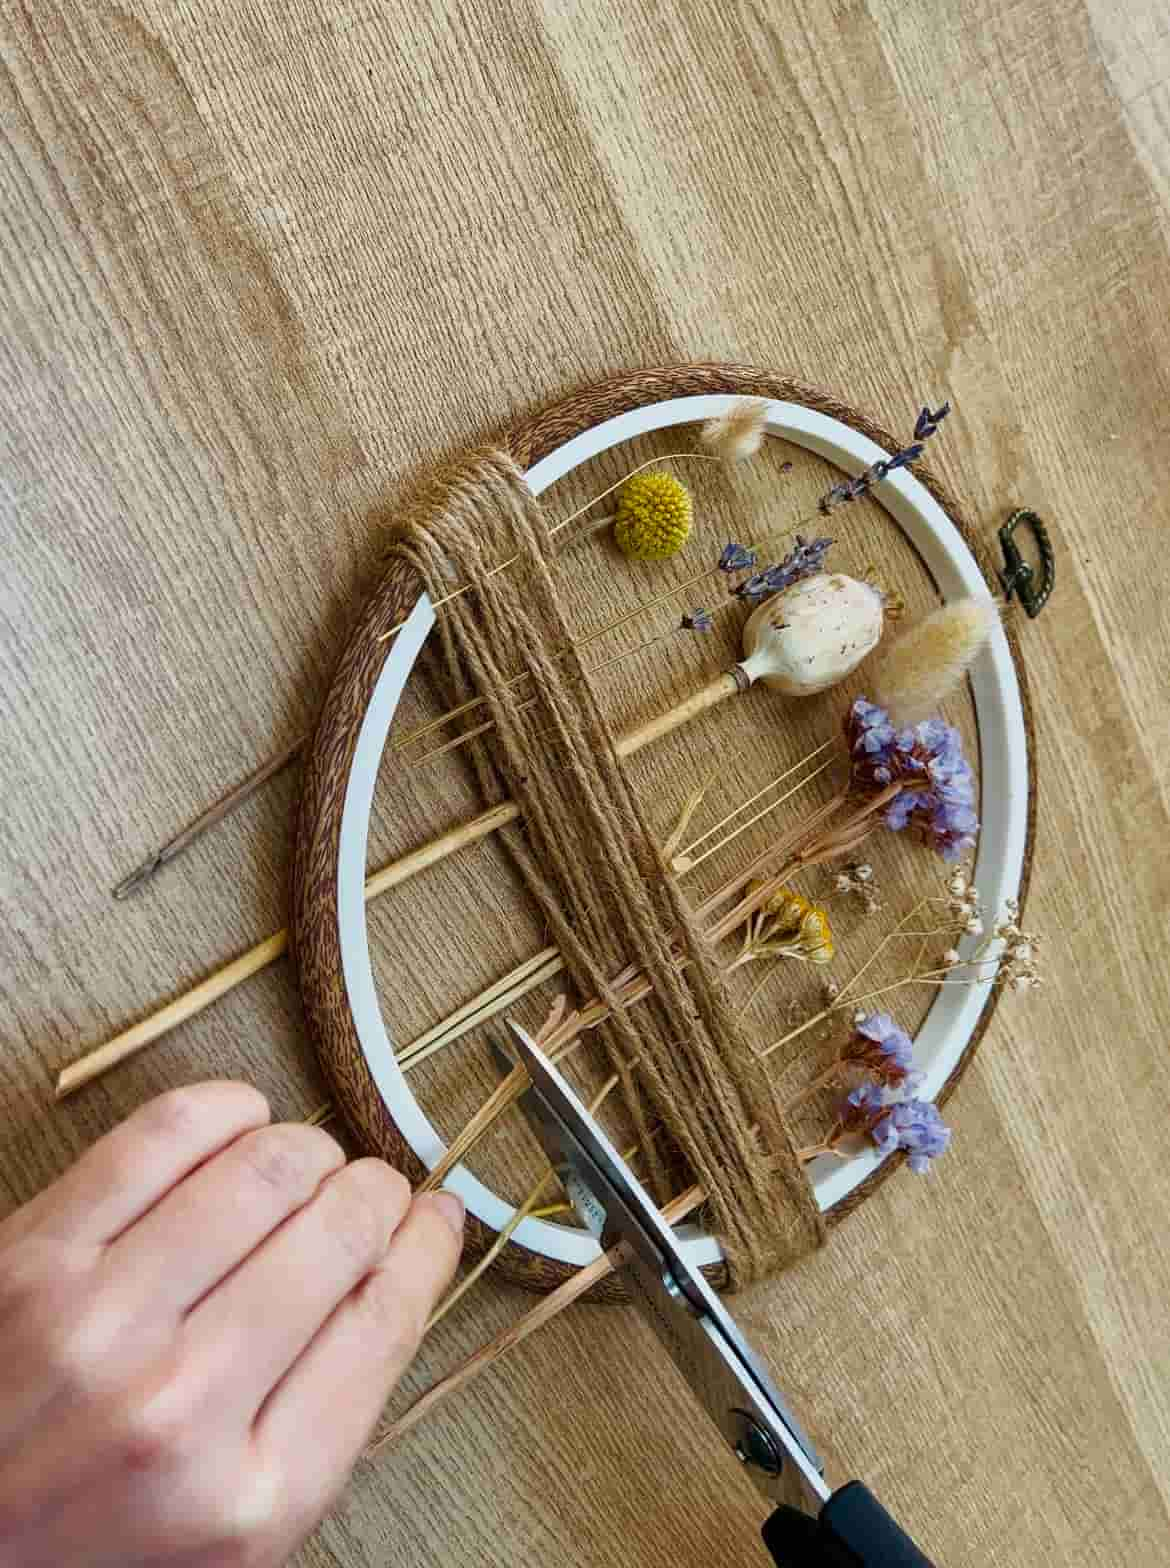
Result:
x=927 y=423
x=736 y=557
x=698 y=621
x=806 y=557
x=848 y=490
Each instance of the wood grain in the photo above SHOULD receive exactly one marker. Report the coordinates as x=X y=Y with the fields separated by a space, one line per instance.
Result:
x=258 y=265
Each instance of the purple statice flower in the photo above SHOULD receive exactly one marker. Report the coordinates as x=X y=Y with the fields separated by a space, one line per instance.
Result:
x=884 y=1050
x=861 y=1108
x=917 y=1127
x=927 y=422
x=736 y=557
x=698 y=621
x=806 y=557
x=872 y=739
x=939 y=798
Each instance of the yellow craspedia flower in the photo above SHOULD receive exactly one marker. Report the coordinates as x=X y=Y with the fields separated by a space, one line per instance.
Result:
x=653 y=517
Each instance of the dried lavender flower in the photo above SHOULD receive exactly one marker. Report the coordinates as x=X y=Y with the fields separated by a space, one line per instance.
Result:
x=736 y=557
x=927 y=422
x=848 y=490
x=805 y=559
x=883 y=1050
x=697 y=621
x=861 y=1107
x=903 y=459
x=939 y=793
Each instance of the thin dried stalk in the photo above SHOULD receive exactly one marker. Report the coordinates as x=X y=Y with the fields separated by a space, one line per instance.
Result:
x=503 y=1236
x=495 y=999
x=692 y=803
x=544 y=1311
x=843 y=998
x=502 y=566
x=685 y=862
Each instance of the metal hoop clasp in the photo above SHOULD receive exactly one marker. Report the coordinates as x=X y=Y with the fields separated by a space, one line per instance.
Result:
x=1017 y=576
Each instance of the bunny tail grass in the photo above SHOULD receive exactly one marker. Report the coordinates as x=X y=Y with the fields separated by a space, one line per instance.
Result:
x=930 y=659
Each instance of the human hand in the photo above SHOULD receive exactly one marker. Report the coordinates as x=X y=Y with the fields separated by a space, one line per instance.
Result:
x=199 y=1325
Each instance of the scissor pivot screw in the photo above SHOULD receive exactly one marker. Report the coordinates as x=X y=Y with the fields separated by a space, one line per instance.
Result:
x=754 y=1446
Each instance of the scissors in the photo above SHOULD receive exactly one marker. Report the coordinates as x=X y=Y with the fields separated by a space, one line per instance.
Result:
x=813 y=1526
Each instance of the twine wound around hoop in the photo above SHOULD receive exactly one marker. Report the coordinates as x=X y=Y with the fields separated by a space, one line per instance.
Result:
x=588 y=859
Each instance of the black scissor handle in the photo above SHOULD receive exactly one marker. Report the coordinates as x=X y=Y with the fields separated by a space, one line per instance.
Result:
x=853 y=1530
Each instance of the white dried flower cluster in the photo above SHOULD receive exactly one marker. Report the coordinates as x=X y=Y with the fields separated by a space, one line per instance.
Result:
x=1019 y=961
x=857 y=881
x=963 y=904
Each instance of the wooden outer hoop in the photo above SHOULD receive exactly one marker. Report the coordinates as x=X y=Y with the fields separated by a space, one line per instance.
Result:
x=314 y=913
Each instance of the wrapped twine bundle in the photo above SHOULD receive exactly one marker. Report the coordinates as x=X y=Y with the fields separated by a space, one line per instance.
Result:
x=586 y=856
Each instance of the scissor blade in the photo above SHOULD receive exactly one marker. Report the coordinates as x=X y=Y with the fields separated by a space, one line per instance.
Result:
x=698 y=1332
x=599 y=1182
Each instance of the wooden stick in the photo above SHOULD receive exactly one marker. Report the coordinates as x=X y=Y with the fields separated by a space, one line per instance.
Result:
x=209 y=818
x=149 y=1029
x=174 y=1013
x=544 y=1311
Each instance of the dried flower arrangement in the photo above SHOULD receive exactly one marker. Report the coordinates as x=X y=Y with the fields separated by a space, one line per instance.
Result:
x=899 y=777
x=904 y=770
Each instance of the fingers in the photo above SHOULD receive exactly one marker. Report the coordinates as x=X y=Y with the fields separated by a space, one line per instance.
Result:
x=246 y=1334
x=214 y=1219
x=339 y=1386
x=125 y=1173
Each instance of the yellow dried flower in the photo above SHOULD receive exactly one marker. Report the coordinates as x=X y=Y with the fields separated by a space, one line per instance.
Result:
x=787 y=926
x=816 y=937
x=654 y=516
x=790 y=909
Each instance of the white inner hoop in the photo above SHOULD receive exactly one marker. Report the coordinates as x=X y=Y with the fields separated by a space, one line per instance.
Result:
x=1003 y=769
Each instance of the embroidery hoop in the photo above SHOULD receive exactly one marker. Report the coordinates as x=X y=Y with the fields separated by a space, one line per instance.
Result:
x=330 y=936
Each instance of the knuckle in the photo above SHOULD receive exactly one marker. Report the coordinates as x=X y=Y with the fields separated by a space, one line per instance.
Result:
x=179 y=1113
x=287 y=1158
x=173 y=1114
x=370 y=1199
x=23 y=1278
x=76 y=1346
x=152 y=1428
x=242 y=1514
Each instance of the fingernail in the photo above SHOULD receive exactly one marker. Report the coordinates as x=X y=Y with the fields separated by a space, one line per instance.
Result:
x=451 y=1206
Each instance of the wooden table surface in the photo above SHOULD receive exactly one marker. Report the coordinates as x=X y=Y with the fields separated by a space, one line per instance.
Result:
x=260 y=262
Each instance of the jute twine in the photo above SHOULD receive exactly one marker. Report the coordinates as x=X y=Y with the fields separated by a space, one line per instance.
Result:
x=585 y=854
